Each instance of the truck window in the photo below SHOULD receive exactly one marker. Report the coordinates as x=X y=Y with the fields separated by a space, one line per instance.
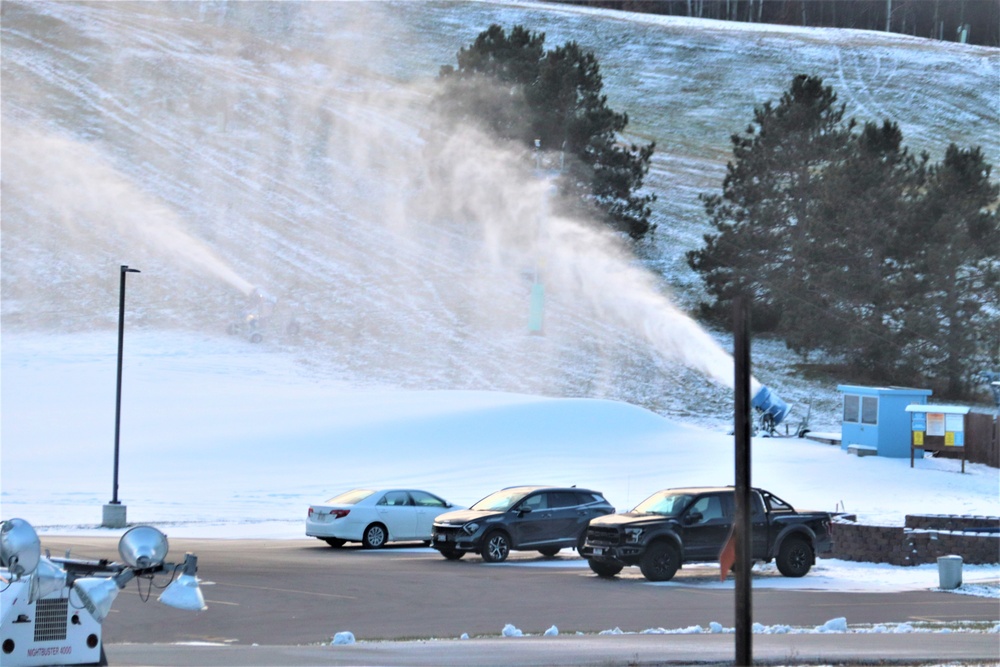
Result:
x=776 y=504
x=710 y=507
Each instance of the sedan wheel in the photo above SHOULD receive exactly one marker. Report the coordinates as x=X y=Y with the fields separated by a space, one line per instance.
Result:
x=660 y=562
x=549 y=552
x=496 y=547
x=452 y=554
x=375 y=536
x=335 y=542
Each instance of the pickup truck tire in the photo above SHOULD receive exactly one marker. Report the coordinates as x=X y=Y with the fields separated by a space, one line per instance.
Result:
x=795 y=557
x=606 y=570
x=496 y=547
x=660 y=562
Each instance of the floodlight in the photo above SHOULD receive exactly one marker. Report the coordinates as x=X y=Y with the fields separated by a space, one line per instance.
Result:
x=143 y=547
x=47 y=578
x=185 y=593
x=97 y=594
x=20 y=548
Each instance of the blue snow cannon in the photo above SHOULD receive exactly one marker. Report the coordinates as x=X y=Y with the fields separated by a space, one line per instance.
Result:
x=772 y=409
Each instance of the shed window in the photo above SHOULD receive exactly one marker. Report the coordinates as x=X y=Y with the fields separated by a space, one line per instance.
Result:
x=869 y=409
x=852 y=408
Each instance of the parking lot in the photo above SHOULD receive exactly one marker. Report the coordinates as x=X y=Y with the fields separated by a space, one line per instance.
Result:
x=296 y=592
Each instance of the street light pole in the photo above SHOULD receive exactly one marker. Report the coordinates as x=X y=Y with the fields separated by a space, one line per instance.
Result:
x=114 y=512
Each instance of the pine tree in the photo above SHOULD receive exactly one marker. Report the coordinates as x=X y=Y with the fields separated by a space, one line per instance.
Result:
x=848 y=244
x=765 y=218
x=953 y=266
x=855 y=302
x=522 y=93
x=489 y=86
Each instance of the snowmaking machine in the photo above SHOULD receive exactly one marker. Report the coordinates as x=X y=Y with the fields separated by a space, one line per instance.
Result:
x=772 y=411
x=262 y=314
x=52 y=609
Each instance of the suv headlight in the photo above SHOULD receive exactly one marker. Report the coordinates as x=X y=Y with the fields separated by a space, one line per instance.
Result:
x=633 y=535
x=471 y=528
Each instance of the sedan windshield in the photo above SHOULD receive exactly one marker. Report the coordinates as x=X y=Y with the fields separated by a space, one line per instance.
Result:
x=350 y=498
x=501 y=501
x=667 y=503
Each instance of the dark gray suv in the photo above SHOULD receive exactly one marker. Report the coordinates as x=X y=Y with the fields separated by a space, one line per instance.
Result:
x=520 y=518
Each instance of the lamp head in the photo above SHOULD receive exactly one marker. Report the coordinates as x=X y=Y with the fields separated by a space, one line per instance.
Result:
x=20 y=548
x=184 y=593
x=48 y=578
x=143 y=547
x=96 y=594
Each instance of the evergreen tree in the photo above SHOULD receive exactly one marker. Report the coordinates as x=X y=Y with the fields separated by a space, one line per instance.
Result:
x=765 y=219
x=489 y=85
x=847 y=244
x=522 y=93
x=953 y=269
x=854 y=302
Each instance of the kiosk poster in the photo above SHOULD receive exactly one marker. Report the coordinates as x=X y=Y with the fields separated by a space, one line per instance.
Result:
x=935 y=423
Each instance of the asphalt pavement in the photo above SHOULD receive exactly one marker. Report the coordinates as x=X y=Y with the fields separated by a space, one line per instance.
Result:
x=280 y=602
x=597 y=651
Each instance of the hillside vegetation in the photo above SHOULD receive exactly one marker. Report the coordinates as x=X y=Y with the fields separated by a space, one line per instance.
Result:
x=222 y=146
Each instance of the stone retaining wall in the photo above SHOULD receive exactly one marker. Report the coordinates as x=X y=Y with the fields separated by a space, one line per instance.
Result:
x=953 y=522
x=922 y=540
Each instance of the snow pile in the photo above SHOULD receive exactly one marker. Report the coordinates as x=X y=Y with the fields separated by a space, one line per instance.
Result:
x=343 y=638
x=510 y=631
x=833 y=625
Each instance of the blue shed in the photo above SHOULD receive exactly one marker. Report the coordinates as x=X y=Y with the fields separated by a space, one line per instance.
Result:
x=876 y=417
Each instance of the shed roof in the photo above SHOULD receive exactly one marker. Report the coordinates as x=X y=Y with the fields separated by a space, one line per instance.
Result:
x=944 y=409
x=858 y=389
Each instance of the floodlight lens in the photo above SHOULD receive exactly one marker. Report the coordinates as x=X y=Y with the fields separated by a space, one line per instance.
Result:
x=47 y=578
x=184 y=594
x=20 y=548
x=143 y=547
x=96 y=595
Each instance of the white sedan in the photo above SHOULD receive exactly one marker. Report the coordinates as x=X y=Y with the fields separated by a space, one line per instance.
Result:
x=376 y=517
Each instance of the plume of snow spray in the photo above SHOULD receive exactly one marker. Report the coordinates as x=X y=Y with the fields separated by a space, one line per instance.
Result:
x=88 y=198
x=301 y=159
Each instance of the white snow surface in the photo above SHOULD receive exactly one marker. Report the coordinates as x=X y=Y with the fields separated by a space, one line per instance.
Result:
x=217 y=441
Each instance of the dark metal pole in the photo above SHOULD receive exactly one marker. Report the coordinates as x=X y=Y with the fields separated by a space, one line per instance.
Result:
x=743 y=526
x=118 y=396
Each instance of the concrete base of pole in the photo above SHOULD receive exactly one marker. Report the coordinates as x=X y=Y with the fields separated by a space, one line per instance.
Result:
x=114 y=516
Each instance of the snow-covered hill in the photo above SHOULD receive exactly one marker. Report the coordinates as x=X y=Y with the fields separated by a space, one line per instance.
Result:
x=219 y=146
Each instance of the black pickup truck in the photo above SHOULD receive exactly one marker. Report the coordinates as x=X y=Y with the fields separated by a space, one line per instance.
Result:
x=691 y=525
